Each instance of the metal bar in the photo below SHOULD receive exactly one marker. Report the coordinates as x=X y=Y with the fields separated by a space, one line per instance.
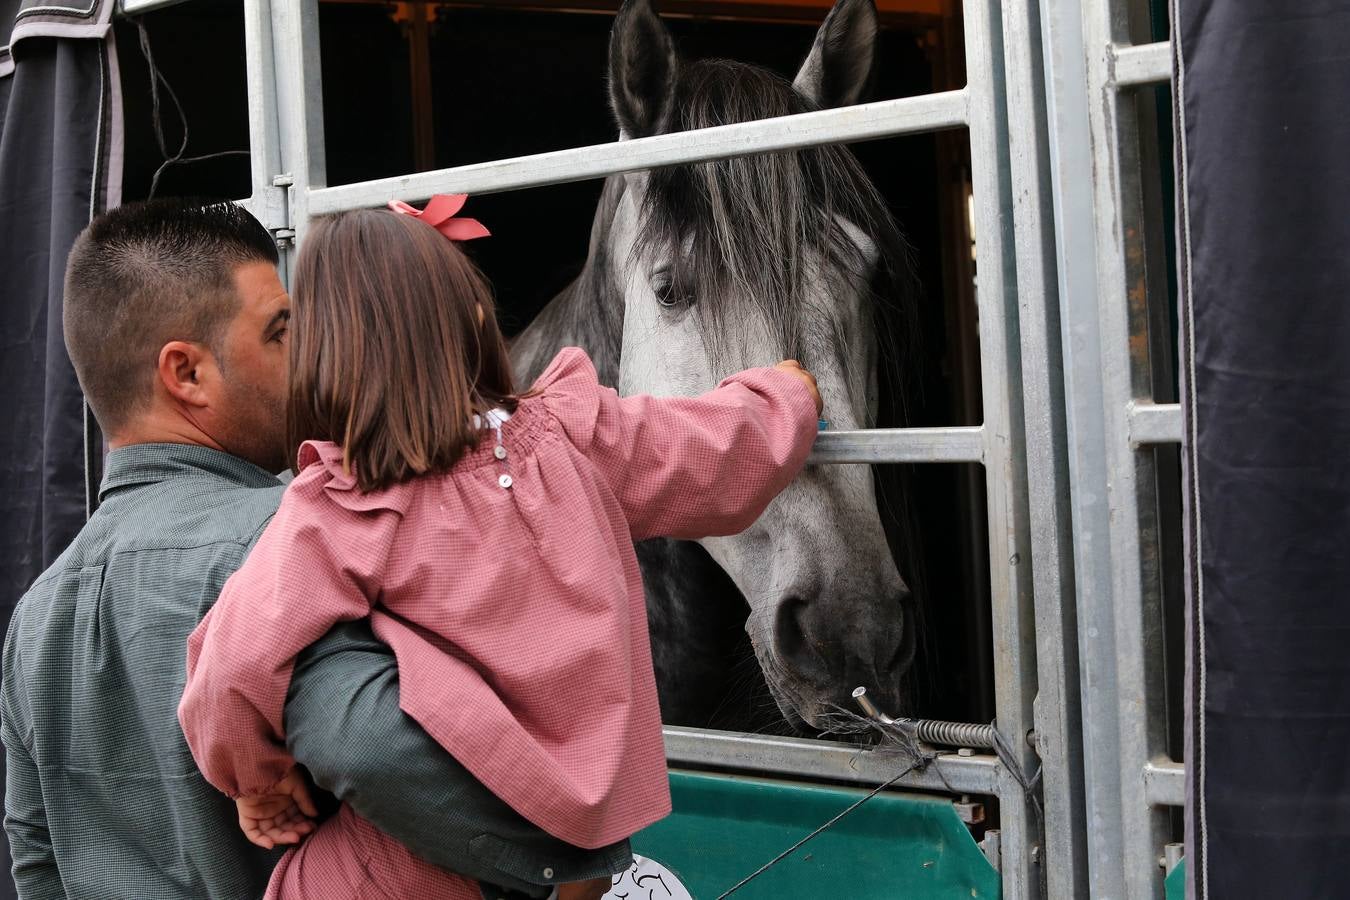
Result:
x=831 y=760
x=1132 y=66
x=868 y=121
x=1057 y=710
x=900 y=445
x=268 y=200
x=295 y=35
x=1165 y=783
x=1154 y=423
x=1012 y=614
x=1068 y=101
x=129 y=8
x=1123 y=699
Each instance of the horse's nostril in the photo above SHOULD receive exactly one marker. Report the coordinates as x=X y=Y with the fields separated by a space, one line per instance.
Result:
x=793 y=638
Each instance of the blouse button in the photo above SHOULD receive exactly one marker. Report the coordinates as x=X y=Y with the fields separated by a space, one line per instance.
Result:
x=504 y=481
x=499 y=452
x=548 y=873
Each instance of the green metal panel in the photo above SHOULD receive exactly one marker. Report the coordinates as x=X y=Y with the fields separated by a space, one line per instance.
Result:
x=896 y=845
x=1175 y=885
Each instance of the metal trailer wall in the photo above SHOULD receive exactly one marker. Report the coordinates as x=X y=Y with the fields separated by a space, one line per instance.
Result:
x=1066 y=416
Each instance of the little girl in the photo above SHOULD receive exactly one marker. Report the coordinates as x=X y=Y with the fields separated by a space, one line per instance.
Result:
x=488 y=535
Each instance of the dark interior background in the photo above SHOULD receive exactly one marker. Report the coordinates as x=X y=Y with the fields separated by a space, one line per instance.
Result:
x=508 y=82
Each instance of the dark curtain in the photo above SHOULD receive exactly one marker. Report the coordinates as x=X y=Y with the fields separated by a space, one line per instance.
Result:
x=1264 y=128
x=60 y=163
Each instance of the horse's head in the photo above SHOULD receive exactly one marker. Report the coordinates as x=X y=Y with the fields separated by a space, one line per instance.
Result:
x=737 y=263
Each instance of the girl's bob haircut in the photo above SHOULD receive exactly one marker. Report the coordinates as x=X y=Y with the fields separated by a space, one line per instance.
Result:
x=394 y=347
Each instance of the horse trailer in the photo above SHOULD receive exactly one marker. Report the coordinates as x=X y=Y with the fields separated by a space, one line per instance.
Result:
x=1076 y=444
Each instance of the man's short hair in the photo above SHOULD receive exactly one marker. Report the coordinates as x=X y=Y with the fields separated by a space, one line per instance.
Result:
x=145 y=274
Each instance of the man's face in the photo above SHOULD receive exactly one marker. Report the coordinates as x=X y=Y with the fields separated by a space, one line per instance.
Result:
x=251 y=410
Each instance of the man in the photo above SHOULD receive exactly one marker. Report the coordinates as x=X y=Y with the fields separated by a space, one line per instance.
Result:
x=176 y=323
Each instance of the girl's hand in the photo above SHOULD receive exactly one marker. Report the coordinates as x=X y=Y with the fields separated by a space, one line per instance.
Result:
x=792 y=367
x=283 y=815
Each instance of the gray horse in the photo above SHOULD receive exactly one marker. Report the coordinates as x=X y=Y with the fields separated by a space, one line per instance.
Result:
x=698 y=271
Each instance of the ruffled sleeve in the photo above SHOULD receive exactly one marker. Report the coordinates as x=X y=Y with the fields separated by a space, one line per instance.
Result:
x=571 y=389
x=321 y=468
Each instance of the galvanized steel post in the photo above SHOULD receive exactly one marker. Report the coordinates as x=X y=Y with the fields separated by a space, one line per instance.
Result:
x=1100 y=242
x=1005 y=472
x=1057 y=710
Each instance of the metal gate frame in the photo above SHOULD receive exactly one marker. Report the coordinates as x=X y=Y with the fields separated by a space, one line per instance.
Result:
x=1035 y=144
x=1113 y=425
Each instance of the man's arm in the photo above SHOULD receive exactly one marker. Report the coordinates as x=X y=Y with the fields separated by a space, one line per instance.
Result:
x=344 y=724
x=30 y=844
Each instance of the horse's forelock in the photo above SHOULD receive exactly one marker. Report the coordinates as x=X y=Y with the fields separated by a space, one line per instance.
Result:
x=751 y=226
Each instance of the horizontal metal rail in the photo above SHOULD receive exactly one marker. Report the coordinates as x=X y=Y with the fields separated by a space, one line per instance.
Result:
x=1142 y=64
x=827 y=759
x=1155 y=423
x=900 y=445
x=127 y=8
x=1165 y=783
x=868 y=121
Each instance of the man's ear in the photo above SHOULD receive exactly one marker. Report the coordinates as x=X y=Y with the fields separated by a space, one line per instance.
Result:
x=186 y=371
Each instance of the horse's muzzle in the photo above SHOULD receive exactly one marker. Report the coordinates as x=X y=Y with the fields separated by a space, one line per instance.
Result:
x=823 y=652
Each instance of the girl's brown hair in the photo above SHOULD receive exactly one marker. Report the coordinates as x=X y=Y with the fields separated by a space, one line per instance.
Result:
x=387 y=357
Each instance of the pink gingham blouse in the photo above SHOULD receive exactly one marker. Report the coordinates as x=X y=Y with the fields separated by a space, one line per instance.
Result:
x=507 y=588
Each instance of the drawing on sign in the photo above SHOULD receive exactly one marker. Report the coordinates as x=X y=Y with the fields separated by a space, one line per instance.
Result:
x=647 y=879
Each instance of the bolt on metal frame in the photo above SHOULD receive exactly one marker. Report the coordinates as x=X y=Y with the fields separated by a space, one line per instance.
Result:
x=1113 y=426
x=1004 y=108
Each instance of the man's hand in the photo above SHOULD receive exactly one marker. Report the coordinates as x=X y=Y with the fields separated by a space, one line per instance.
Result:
x=283 y=815
x=584 y=890
x=792 y=367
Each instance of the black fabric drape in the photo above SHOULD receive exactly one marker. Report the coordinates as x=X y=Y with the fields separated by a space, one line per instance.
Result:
x=60 y=163
x=1264 y=144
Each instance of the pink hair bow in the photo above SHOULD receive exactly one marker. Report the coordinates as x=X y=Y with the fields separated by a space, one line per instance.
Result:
x=440 y=214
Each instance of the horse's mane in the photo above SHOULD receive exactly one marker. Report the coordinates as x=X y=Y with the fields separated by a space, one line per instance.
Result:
x=751 y=226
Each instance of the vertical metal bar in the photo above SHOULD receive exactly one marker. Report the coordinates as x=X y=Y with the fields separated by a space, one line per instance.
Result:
x=267 y=201
x=1132 y=490
x=1068 y=99
x=1103 y=283
x=1057 y=708
x=1009 y=536
x=299 y=89
x=1142 y=107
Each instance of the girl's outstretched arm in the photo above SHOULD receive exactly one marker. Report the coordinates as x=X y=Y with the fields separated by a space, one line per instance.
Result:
x=692 y=467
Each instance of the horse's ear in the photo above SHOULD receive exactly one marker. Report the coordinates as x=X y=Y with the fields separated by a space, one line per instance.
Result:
x=642 y=66
x=838 y=70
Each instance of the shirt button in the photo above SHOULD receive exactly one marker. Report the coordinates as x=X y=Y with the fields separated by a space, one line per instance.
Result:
x=548 y=873
x=504 y=481
x=499 y=452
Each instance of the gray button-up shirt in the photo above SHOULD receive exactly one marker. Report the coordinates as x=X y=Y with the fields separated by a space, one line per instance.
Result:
x=102 y=799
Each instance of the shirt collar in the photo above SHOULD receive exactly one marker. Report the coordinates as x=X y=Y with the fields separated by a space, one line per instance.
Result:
x=141 y=464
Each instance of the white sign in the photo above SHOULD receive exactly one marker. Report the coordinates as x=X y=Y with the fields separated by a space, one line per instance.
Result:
x=647 y=879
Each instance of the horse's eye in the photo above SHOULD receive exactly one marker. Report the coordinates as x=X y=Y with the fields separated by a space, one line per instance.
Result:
x=668 y=293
